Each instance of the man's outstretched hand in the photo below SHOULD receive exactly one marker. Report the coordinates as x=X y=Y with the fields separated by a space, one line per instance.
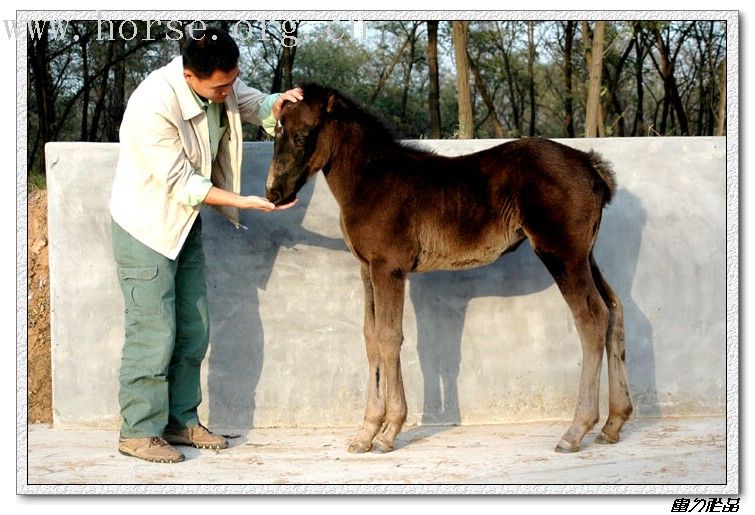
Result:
x=262 y=204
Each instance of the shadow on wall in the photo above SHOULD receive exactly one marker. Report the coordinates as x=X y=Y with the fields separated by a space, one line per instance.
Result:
x=244 y=267
x=237 y=352
x=440 y=302
x=626 y=217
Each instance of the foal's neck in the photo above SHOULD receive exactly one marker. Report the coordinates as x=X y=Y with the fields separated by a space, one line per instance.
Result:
x=353 y=150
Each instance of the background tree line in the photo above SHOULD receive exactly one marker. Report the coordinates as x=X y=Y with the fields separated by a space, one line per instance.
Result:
x=430 y=79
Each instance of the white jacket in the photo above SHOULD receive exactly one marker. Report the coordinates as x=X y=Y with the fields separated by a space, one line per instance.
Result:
x=165 y=148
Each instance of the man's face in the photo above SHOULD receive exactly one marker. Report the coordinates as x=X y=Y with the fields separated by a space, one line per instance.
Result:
x=215 y=87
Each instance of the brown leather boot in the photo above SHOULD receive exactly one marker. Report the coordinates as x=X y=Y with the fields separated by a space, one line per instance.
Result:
x=197 y=436
x=150 y=448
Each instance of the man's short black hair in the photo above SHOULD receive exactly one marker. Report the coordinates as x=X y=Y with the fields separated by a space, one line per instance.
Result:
x=207 y=50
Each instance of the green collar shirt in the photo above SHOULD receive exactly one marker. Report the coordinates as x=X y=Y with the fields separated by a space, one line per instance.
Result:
x=217 y=121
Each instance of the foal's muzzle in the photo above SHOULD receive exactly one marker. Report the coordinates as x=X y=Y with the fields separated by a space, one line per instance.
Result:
x=277 y=198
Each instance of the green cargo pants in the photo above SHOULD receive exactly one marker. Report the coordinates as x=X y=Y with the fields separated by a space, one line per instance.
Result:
x=167 y=328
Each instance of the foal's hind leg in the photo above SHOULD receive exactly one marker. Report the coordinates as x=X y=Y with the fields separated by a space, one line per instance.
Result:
x=375 y=410
x=619 y=402
x=590 y=313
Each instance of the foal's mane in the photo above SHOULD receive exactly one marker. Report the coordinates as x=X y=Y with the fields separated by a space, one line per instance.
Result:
x=345 y=109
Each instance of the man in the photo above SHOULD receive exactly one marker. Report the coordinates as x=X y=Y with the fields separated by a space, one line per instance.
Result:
x=180 y=147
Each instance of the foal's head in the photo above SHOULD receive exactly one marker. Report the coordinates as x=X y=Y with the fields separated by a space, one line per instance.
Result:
x=302 y=143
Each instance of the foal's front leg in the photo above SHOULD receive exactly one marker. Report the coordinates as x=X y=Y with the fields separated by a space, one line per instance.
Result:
x=373 y=415
x=388 y=285
x=386 y=405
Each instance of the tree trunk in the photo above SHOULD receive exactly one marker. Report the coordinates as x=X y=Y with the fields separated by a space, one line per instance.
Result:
x=99 y=103
x=432 y=65
x=521 y=102
x=282 y=77
x=512 y=94
x=39 y=65
x=664 y=114
x=594 y=56
x=386 y=73
x=466 y=117
x=666 y=69
x=486 y=97
x=638 y=126
x=87 y=87
x=653 y=126
x=531 y=73
x=277 y=83
x=118 y=97
x=408 y=70
x=287 y=57
x=510 y=81
x=620 y=121
x=569 y=94
x=712 y=82
x=721 y=126
x=612 y=100
x=702 y=87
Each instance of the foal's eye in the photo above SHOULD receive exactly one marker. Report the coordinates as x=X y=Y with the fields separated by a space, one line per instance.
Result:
x=301 y=138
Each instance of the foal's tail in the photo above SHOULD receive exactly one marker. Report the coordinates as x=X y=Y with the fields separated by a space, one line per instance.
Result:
x=604 y=169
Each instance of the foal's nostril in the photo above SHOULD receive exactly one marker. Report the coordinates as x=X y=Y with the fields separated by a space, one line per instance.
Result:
x=273 y=196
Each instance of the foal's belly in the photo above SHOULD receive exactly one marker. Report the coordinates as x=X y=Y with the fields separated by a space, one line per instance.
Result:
x=439 y=250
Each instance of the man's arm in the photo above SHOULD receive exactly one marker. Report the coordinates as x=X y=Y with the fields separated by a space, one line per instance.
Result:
x=154 y=145
x=220 y=197
x=292 y=95
x=261 y=109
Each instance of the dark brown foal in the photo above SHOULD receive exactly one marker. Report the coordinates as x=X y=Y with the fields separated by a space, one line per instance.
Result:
x=405 y=210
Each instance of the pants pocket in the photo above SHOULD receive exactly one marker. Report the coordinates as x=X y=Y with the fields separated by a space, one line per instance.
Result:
x=140 y=290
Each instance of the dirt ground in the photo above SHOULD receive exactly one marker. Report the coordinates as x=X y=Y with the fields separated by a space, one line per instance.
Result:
x=38 y=310
x=666 y=453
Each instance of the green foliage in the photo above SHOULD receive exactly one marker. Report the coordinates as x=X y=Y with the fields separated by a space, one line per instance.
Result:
x=36 y=181
x=367 y=67
x=341 y=64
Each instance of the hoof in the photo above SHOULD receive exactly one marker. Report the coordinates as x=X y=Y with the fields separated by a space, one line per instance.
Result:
x=358 y=448
x=565 y=447
x=381 y=446
x=605 y=439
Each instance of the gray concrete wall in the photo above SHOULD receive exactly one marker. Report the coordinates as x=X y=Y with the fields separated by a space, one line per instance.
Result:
x=490 y=345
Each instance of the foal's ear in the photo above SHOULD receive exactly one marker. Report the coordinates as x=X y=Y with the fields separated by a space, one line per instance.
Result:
x=334 y=102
